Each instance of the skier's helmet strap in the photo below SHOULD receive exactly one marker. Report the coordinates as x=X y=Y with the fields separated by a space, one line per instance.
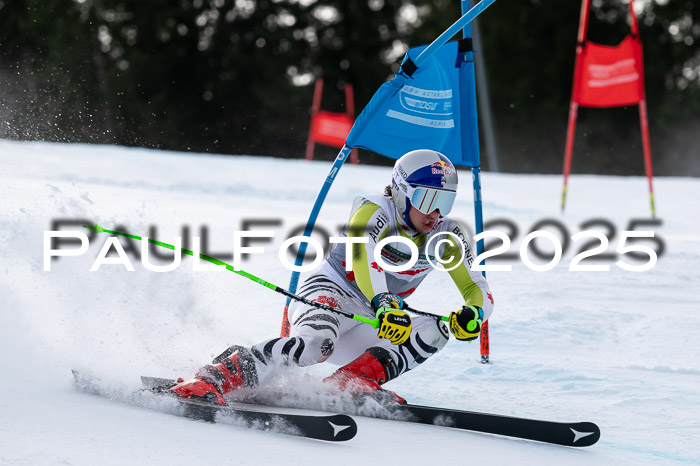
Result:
x=425 y=179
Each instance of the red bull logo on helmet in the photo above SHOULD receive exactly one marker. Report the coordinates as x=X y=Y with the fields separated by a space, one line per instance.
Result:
x=441 y=168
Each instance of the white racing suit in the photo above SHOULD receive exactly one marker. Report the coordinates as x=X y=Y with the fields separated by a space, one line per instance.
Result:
x=318 y=335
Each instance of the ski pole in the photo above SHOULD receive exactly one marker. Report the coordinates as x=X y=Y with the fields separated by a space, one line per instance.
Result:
x=366 y=320
x=427 y=314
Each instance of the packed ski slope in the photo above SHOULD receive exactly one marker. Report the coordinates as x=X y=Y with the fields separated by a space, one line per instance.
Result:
x=617 y=348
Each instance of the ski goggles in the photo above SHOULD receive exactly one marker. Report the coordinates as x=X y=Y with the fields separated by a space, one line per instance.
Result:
x=427 y=200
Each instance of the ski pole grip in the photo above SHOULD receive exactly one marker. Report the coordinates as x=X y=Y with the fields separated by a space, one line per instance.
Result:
x=366 y=320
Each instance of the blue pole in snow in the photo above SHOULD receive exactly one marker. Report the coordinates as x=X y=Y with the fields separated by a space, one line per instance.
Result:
x=478 y=213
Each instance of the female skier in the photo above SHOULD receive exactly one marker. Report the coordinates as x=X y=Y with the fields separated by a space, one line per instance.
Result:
x=415 y=208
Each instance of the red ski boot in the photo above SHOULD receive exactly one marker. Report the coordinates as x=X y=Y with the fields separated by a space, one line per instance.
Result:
x=233 y=369
x=365 y=375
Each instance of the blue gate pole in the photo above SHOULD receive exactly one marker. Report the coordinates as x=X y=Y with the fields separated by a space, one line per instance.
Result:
x=294 y=281
x=478 y=211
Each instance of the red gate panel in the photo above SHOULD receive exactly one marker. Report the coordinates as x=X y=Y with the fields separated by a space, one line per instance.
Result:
x=330 y=128
x=609 y=76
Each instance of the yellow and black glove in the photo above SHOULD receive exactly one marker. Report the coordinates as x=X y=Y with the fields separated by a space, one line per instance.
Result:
x=465 y=324
x=394 y=324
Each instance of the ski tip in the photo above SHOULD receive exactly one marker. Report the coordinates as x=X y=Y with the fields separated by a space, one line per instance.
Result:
x=343 y=427
x=584 y=434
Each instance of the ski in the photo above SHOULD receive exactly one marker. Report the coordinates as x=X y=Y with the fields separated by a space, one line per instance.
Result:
x=332 y=428
x=571 y=434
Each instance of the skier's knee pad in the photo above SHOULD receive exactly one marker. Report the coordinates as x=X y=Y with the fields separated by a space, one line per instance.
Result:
x=315 y=350
x=326 y=346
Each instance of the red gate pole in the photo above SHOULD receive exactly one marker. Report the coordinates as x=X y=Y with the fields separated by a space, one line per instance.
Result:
x=315 y=107
x=573 y=106
x=644 y=123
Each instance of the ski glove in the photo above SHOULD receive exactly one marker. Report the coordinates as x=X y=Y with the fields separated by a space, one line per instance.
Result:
x=394 y=324
x=465 y=324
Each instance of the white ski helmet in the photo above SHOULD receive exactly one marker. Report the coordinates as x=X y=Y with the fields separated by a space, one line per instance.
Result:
x=426 y=180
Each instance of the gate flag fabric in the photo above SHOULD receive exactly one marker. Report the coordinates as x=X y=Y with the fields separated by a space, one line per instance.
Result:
x=610 y=76
x=425 y=110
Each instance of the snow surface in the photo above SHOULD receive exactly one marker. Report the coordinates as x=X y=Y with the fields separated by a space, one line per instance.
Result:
x=617 y=348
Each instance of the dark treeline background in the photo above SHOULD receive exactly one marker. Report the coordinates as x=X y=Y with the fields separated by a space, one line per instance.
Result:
x=236 y=76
